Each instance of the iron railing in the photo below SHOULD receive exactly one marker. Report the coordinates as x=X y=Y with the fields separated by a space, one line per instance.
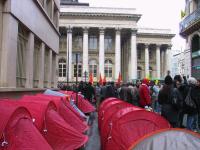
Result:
x=189 y=20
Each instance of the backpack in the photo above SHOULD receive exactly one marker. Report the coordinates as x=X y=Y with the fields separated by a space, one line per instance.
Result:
x=176 y=98
x=188 y=100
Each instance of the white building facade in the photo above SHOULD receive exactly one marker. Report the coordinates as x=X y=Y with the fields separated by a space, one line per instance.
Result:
x=108 y=42
x=29 y=44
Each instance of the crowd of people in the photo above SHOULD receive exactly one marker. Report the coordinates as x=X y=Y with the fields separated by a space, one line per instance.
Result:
x=176 y=99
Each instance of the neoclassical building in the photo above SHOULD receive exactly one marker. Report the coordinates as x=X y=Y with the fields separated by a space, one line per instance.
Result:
x=107 y=41
x=190 y=30
x=29 y=45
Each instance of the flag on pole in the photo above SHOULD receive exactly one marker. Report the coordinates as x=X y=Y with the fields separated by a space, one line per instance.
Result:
x=91 y=79
x=100 y=80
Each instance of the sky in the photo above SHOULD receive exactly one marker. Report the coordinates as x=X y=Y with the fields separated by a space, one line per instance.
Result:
x=164 y=14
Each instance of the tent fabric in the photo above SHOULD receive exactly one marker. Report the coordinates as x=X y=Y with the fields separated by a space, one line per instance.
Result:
x=83 y=104
x=130 y=125
x=61 y=135
x=175 y=139
x=17 y=128
x=101 y=107
x=38 y=110
x=65 y=101
x=64 y=111
x=105 y=123
x=55 y=130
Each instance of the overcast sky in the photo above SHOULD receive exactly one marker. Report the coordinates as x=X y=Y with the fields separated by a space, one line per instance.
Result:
x=155 y=13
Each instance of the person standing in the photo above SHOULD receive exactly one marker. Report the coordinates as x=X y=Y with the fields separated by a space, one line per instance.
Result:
x=144 y=93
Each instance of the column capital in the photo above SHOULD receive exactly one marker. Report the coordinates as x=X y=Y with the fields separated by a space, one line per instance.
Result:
x=85 y=29
x=101 y=30
x=146 y=45
x=158 y=45
x=133 y=31
x=118 y=30
x=69 y=29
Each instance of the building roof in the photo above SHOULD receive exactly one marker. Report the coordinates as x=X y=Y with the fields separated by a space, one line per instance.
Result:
x=73 y=2
x=100 y=11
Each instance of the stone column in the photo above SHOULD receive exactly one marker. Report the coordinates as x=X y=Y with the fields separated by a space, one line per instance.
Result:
x=29 y=61
x=85 y=50
x=56 y=71
x=50 y=69
x=69 y=53
x=146 y=60
x=167 y=59
x=41 y=66
x=162 y=64
x=117 y=53
x=9 y=51
x=158 y=61
x=101 y=52
x=133 y=57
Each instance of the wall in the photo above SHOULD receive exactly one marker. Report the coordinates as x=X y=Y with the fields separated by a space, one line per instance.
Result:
x=1 y=21
x=38 y=23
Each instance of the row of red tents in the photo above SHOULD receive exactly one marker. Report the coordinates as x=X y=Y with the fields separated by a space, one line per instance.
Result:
x=123 y=126
x=43 y=122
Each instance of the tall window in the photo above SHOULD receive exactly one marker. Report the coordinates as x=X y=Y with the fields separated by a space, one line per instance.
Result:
x=21 y=56
x=78 y=42
x=62 y=67
x=92 y=42
x=79 y=70
x=108 y=43
x=139 y=72
x=108 y=68
x=74 y=58
x=36 y=54
x=93 y=67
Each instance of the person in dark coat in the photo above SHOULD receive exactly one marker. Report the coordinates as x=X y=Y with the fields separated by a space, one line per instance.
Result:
x=168 y=111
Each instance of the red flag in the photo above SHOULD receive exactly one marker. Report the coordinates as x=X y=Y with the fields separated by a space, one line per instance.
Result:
x=91 y=79
x=100 y=80
x=104 y=79
x=119 y=80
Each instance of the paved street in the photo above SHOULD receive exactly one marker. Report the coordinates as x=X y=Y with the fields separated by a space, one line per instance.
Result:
x=93 y=133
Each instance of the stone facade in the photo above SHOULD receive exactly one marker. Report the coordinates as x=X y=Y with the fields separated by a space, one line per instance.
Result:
x=109 y=40
x=28 y=33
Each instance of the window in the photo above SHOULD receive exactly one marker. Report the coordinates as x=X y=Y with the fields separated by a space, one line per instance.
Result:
x=139 y=72
x=62 y=67
x=108 y=43
x=139 y=54
x=36 y=54
x=21 y=57
x=93 y=67
x=79 y=70
x=108 y=68
x=78 y=42
x=92 y=43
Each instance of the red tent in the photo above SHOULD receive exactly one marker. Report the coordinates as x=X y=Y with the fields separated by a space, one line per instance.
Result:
x=101 y=107
x=59 y=134
x=174 y=139
x=109 y=112
x=17 y=131
x=83 y=104
x=63 y=110
x=129 y=124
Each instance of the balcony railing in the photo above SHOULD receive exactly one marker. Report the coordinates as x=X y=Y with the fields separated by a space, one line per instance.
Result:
x=192 y=18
